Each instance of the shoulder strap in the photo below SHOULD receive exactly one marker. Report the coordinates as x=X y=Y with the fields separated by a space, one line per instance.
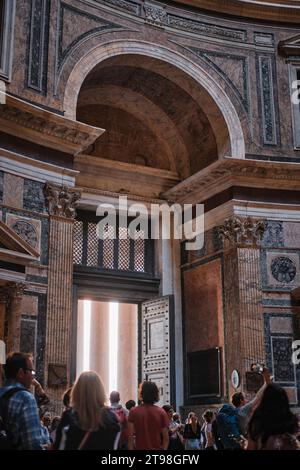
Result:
x=84 y=440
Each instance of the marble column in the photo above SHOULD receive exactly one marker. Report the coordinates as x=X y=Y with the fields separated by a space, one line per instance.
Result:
x=14 y=317
x=244 y=329
x=61 y=206
x=127 y=382
x=99 y=345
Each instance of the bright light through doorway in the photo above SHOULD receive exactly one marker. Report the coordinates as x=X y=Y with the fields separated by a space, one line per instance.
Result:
x=113 y=345
x=86 y=334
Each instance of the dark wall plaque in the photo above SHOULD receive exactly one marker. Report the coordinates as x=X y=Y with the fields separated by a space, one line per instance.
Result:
x=57 y=375
x=204 y=373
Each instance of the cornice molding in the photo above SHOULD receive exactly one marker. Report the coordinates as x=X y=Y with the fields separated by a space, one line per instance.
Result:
x=267 y=10
x=290 y=47
x=35 y=124
x=230 y=171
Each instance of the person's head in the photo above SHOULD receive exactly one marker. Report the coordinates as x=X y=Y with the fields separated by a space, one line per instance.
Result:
x=19 y=368
x=272 y=415
x=176 y=417
x=114 y=397
x=130 y=404
x=66 y=397
x=208 y=416
x=192 y=418
x=169 y=410
x=149 y=392
x=55 y=422
x=88 y=399
x=238 y=399
x=46 y=419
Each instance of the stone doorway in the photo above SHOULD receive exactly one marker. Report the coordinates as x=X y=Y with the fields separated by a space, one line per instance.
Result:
x=107 y=342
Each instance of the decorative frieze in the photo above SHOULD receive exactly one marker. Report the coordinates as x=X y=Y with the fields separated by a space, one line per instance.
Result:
x=38 y=124
x=155 y=14
x=129 y=7
x=207 y=29
x=242 y=231
x=61 y=200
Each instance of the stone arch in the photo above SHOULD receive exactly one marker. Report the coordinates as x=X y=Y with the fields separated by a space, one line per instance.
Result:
x=221 y=106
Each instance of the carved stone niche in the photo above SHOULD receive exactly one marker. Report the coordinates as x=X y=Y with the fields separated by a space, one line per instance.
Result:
x=57 y=375
x=242 y=232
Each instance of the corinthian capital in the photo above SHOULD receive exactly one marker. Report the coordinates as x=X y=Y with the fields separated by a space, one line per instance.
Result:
x=242 y=231
x=12 y=290
x=61 y=200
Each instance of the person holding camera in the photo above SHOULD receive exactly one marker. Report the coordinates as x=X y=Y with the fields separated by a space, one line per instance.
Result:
x=243 y=408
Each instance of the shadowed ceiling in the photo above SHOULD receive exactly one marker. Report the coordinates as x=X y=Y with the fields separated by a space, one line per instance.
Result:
x=152 y=114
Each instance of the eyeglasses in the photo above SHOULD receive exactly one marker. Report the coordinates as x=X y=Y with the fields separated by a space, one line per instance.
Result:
x=31 y=370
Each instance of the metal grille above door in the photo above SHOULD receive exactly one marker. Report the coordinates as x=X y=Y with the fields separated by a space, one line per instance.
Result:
x=157 y=346
x=120 y=254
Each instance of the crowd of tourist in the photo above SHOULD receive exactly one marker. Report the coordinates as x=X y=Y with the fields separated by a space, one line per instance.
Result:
x=89 y=423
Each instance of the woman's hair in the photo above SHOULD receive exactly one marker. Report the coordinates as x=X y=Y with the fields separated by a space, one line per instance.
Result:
x=190 y=416
x=88 y=400
x=208 y=416
x=66 y=397
x=149 y=392
x=272 y=416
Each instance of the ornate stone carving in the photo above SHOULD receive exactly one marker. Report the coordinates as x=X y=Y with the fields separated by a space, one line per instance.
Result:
x=39 y=124
x=207 y=29
x=283 y=269
x=155 y=15
x=27 y=231
x=61 y=200
x=11 y=290
x=242 y=231
x=273 y=235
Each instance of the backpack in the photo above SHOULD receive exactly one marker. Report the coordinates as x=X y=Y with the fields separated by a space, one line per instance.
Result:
x=228 y=427
x=123 y=422
x=5 y=440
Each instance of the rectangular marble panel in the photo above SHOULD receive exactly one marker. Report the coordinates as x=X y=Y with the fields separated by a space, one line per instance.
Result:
x=291 y=232
x=29 y=305
x=281 y=325
x=292 y=394
x=13 y=190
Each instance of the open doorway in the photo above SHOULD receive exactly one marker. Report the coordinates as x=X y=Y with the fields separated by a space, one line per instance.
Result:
x=107 y=342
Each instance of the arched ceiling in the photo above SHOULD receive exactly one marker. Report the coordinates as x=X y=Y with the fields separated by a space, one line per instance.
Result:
x=152 y=113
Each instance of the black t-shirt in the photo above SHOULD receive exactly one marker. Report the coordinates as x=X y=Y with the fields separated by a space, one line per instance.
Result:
x=102 y=439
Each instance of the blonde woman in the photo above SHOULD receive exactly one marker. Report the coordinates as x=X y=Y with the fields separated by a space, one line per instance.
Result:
x=93 y=426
